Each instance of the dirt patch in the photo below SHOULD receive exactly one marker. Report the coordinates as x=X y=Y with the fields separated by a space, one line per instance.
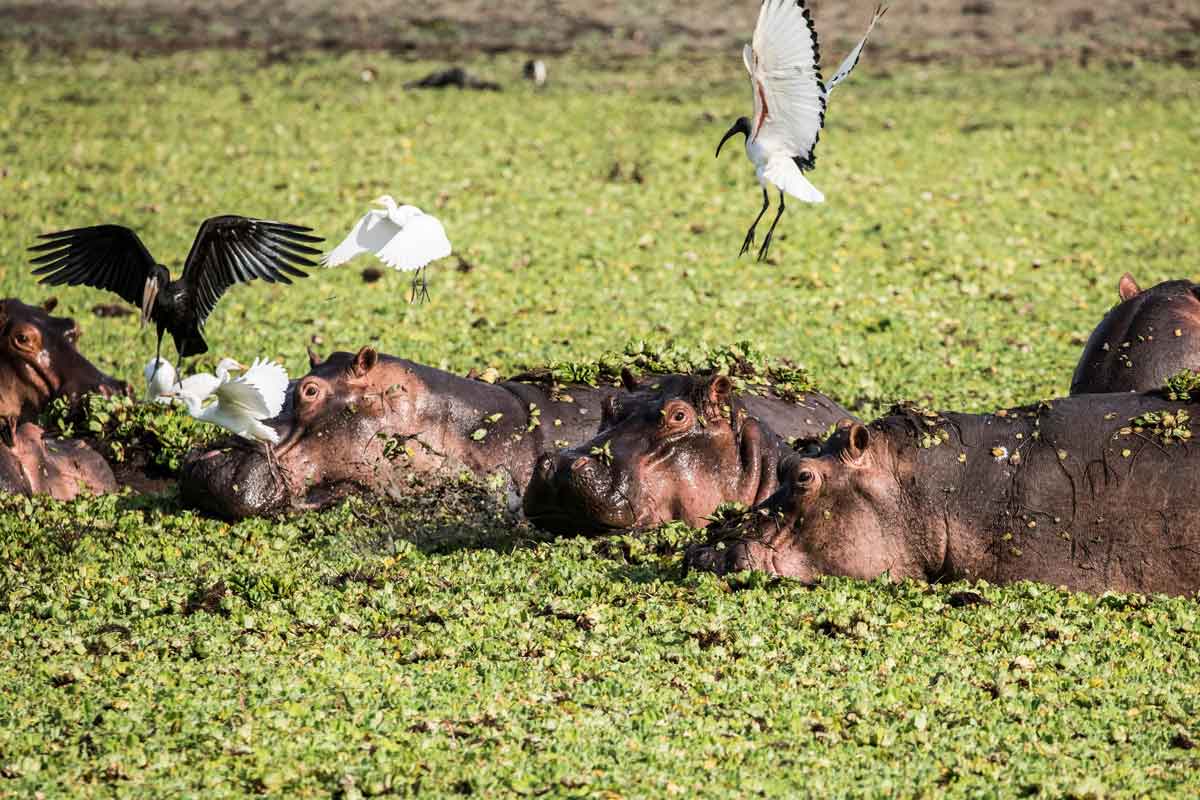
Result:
x=994 y=31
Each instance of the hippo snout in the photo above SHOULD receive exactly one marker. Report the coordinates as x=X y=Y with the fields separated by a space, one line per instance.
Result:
x=573 y=493
x=736 y=556
x=232 y=482
x=114 y=388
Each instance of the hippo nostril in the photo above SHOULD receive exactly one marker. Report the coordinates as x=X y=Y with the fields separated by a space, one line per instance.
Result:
x=580 y=463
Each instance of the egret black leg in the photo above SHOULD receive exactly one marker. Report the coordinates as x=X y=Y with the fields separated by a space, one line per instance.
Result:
x=420 y=289
x=749 y=240
x=762 y=253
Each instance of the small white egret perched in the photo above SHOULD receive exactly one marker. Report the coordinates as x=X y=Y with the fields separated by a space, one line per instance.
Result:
x=789 y=104
x=403 y=237
x=241 y=404
x=160 y=378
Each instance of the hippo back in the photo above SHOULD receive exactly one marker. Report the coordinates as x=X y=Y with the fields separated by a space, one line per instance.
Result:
x=1142 y=341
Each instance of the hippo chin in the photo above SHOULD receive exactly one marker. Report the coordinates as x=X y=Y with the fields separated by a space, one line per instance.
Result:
x=1094 y=493
x=365 y=422
x=39 y=361
x=61 y=468
x=675 y=447
x=1145 y=339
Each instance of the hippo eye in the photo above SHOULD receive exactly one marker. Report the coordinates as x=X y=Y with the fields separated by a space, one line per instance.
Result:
x=310 y=391
x=678 y=416
x=805 y=476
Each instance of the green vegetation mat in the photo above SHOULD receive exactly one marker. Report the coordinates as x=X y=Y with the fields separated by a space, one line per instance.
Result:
x=975 y=227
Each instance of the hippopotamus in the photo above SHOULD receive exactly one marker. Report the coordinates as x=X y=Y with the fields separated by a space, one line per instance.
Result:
x=61 y=468
x=1145 y=339
x=39 y=361
x=368 y=422
x=676 y=447
x=1092 y=492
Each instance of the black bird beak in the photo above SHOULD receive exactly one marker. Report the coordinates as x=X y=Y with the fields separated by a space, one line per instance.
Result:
x=149 y=295
x=742 y=126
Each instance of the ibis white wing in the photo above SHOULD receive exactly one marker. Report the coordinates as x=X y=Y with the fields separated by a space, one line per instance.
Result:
x=789 y=97
x=785 y=174
x=852 y=60
x=370 y=235
x=423 y=239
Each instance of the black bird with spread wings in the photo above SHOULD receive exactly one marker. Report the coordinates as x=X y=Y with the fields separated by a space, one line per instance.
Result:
x=227 y=250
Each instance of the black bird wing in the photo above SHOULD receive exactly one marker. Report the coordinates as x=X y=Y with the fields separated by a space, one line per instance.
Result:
x=232 y=249
x=108 y=257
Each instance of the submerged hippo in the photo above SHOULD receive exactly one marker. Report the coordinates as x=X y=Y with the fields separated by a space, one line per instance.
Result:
x=676 y=448
x=61 y=468
x=39 y=361
x=1145 y=339
x=366 y=422
x=1095 y=493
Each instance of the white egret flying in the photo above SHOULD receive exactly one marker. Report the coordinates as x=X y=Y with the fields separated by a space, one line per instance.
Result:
x=403 y=237
x=241 y=404
x=789 y=104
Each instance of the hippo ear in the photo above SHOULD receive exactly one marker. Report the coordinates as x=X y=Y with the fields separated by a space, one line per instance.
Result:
x=858 y=440
x=760 y=464
x=49 y=304
x=365 y=361
x=718 y=391
x=1127 y=287
x=628 y=380
x=314 y=360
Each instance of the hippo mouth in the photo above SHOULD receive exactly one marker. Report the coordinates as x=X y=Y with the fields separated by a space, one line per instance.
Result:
x=565 y=523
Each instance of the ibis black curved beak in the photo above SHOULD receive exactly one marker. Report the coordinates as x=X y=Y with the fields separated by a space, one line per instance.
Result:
x=742 y=126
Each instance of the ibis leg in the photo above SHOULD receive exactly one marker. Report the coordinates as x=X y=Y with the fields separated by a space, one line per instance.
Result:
x=420 y=289
x=762 y=253
x=749 y=240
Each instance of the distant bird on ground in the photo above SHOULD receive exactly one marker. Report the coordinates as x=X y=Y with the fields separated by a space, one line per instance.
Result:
x=242 y=403
x=403 y=237
x=455 y=77
x=535 y=70
x=227 y=250
x=789 y=104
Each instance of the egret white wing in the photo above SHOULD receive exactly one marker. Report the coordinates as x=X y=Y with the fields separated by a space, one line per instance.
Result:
x=789 y=96
x=243 y=396
x=370 y=235
x=270 y=381
x=785 y=174
x=852 y=60
x=202 y=385
x=423 y=239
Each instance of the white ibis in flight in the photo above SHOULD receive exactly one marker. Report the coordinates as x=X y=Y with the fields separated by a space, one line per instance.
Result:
x=789 y=104
x=403 y=237
x=227 y=250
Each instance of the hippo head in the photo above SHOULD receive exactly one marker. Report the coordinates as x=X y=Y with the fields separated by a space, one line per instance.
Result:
x=330 y=433
x=839 y=510
x=39 y=360
x=674 y=449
